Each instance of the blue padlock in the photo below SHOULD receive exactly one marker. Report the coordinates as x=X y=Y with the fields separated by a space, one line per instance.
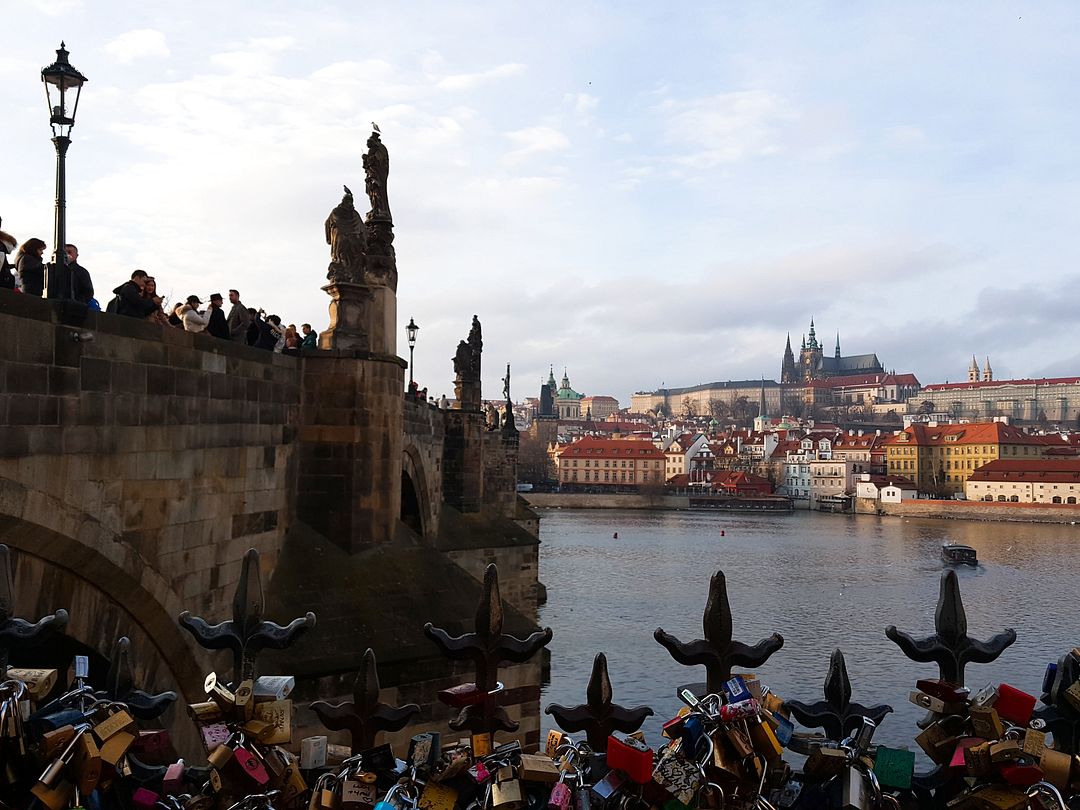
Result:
x=735 y=690
x=692 y=729
x=1048 y=677
x=784 y=729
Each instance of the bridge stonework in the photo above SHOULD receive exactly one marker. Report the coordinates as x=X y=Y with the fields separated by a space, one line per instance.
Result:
x=138 y=464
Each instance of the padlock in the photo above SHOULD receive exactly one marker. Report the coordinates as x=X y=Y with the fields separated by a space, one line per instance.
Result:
x=783 y=728
x=215 y=780
x=943 y=690
x=1057 y=766
x=86 y=763
x=249 y=762
x=466 y=694
x=977 y=762
x=143 y=799
x=539 y=768
x=424 y=750
x=1014 y=704
x=1023 y=772
x=116 y=747
x=554 y=741
x=244 y=699
x=38 y=682
x=986 y=722
x=205 y=712
x=894 y=767
x=678 y=776
x=1004 y=751
x=221 y=754
x=604 y=791
x=313 y=752
x=219 y=693
x=324 y=795
x=560 y=796
x=116 y=720
x=173 y=781
x=958 y=761
x=437 y=796
x=632 y=757
x=273 y=687
x=480 y=744
x=823 y=763
x=214 y=735
x=854 y=794
x=55 y=797
x=358 y=791
x=938 y=740
x=987 y=696
x=735 y=690
x=153 y=744
x=1033 y=743
x=278 y=714
x=293 y=784
x=935 y=704
x=739 y=741
x=764 y=740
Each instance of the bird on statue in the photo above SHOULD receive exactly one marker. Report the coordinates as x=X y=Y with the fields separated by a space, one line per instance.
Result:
x=375 y=127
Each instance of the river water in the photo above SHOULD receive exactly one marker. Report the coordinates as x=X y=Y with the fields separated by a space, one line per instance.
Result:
x=821 y=581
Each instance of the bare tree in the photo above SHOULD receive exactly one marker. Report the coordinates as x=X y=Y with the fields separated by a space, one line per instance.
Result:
x=534 y=463
x=689 y=407
x=926 y=406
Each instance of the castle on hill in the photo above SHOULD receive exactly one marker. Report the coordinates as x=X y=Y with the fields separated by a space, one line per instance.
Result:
x=813 y=364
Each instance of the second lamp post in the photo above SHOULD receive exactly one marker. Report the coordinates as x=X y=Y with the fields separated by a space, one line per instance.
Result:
x=410 y=331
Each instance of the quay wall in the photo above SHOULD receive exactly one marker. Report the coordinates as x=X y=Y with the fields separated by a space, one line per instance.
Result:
x=975 y=510
x=577 y=500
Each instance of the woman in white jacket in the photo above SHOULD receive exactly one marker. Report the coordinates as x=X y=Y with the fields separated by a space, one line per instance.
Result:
x=194 y=321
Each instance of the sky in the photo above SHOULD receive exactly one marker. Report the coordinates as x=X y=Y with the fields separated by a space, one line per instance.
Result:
x=639 y=193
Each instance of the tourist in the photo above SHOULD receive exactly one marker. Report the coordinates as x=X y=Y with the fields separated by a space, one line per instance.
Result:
x=239 y=318
x=30 y=267
x=194 y=321
x=149 y=292
x=130 y=298
x=311 y=338
x=174 y=316
x=7 y=247
x=269 y=334
x=292 y=340
x=255 y=325
x=82 y=288
x=217 y=325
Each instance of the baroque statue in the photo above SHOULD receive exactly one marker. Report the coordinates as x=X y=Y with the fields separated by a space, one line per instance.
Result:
x=376 y=171
x=346 y=235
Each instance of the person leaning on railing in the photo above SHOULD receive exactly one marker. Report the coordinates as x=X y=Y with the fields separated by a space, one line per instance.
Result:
x=130 y=300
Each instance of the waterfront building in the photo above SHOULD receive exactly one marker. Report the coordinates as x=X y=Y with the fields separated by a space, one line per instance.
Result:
x=940 y=458
x=611 y=463
x=679 y=451
x=724 y=482
x=813 y=476
x=866 y=452
x=1047 y=480
x=885 y=488
x=814 y=364
x=1055 y=399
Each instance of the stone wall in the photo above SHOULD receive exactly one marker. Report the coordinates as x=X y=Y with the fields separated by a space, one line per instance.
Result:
x=975 y=510
x=425 y=431
x=575 y=500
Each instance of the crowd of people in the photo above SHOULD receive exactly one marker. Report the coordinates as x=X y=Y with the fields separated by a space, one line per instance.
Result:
x=138 y=298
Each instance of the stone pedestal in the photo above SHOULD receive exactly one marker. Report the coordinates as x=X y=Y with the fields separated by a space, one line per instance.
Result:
x=362 y=318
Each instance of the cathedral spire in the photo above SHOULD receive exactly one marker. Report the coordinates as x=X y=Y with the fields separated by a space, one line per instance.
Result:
x=787 y=368
x=837 y=345
x=988 y=373
x=973 y=370
x=813 y=336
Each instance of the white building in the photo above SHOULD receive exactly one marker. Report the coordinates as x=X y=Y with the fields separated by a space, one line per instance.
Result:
x=813 y=476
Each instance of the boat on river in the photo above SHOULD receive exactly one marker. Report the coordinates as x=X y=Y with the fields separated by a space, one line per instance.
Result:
x=958 y=554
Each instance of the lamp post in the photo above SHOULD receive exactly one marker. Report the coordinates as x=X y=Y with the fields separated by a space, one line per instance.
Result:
x=60 y=78
x=410 y=331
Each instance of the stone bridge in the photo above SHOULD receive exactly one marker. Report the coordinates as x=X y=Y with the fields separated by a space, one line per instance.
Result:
x=139 y=463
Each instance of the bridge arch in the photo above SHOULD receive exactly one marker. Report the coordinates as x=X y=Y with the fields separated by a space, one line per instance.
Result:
x=417 y=510
x=65 y=558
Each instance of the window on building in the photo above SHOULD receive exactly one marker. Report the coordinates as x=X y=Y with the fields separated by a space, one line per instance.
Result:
x=1001 y=497
x=1014 y=499
x=1056 y=499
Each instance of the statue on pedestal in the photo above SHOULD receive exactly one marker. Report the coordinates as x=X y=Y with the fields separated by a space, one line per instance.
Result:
x=347 y=237
x=376 y=170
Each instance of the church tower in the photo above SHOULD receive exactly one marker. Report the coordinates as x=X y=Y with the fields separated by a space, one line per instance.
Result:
x=787 y=369
x=973 y=370
x=988 y=373
x=810 y=357
x=837 y=354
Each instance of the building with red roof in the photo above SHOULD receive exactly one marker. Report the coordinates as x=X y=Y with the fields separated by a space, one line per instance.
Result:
x=596 y=462
x=1049 y=480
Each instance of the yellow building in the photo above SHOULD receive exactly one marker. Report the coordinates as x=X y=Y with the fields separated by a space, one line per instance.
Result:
x=940 y=458
x=612 y=463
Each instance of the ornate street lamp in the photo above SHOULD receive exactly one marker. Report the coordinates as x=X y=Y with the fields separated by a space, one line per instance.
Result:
x=60 y=79
x=410 y=330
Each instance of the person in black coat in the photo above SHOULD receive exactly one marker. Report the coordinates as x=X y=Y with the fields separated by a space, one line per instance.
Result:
x=31 y=267
x=219 y=325
x=81 y=285
x=7 y=246
x=130 y=299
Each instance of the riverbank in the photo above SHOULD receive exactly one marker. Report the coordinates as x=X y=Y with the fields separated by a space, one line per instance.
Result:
x=937 y=510
x=979 y=510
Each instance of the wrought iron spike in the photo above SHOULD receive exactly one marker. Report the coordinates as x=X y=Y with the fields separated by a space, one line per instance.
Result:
x=1062 y=718
x=487 y=647
x=120 y=686
x=837 y=715
x=16 y=633
x=950 y=647
x=598 y=716
x=246 y=634
x=364 y=716
x=717 y=652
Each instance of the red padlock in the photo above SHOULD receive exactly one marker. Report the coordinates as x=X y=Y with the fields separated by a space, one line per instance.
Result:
x=250 y=765
x=560 y=797
x=1024 y=775
x=144 y=799
x=958 y=762
x=173 y=781
x=631 y=756
x=1014 y=705
x=943 y=690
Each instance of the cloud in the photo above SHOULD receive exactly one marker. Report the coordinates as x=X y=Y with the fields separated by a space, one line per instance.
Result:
x=536 y=140
x=726 y=128
x=582 y=104
x=467 y=81
x=138 y=44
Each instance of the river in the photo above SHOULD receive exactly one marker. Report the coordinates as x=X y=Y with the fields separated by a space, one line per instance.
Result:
x=821 y=581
